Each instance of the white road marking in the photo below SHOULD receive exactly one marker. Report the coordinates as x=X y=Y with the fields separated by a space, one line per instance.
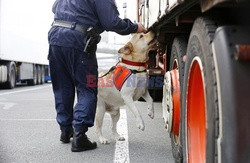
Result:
x=6 y=105
x=121 y=148
x=25 y=90
x=27 y=119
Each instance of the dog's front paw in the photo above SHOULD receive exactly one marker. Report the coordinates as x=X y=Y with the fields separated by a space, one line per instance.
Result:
x=151 y=113
x=140 y=125
x=103 y=140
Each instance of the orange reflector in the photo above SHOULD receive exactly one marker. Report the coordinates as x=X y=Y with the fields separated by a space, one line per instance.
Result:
x=242 y=52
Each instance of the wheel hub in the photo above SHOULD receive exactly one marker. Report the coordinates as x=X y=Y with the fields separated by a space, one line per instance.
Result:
x=196 y=115
x=167 y=102
x=171 y=101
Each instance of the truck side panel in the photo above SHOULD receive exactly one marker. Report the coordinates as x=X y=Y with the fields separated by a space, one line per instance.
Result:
x=24 y=28
x=152 y=10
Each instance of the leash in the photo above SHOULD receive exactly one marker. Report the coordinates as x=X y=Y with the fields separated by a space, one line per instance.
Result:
x=111 y=69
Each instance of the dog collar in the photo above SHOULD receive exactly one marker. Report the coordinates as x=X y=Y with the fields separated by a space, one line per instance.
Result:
x=144 y=64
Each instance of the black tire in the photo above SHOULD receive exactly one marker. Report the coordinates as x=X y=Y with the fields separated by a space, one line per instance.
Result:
x=178 y=51
x=199 y=52
x=234 y=93
x=33 y=81
x=11 y=77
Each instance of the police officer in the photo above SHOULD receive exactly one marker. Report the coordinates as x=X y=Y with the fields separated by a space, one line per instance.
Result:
x=73 y=38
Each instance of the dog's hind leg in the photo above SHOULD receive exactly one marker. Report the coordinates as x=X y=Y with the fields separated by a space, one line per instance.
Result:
x=150 y=103
x=100 y=112
x=115 y=115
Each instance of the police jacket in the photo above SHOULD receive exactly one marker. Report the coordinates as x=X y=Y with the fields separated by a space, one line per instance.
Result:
x=99 y=14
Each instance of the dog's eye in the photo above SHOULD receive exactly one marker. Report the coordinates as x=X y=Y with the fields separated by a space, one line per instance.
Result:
x=141 y=36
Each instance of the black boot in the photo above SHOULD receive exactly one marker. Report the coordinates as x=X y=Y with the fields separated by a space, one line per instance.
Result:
x=82 y=143
x=66 y=135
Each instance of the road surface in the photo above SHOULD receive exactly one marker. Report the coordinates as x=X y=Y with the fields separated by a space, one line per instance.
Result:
x=30 y=133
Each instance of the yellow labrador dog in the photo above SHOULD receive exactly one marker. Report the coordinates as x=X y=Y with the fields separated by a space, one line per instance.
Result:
x=126 y=83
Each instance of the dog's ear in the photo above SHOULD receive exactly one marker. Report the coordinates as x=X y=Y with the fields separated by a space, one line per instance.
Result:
x=127 y=49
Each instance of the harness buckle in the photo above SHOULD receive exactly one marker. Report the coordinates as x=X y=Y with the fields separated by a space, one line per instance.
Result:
x=73 y=25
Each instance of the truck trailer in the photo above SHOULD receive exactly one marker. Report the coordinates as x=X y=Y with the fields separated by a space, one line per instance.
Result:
x=23 y=41
x=204 y=56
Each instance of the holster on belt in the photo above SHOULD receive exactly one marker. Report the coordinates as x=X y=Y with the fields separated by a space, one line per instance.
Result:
x=91 y=40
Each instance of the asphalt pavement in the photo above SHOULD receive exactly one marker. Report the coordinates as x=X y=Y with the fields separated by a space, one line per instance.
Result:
x=29 y=132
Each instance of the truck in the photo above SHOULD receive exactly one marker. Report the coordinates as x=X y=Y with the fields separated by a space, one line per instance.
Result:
x=23 y=41
x=203 y=53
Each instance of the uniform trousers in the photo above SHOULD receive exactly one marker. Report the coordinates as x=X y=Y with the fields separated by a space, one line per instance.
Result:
x=69 y=70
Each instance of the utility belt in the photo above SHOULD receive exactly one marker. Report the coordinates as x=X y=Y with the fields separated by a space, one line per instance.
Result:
x=91 y=39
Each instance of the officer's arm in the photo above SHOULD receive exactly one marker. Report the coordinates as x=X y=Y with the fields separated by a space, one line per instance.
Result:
x=109 y=18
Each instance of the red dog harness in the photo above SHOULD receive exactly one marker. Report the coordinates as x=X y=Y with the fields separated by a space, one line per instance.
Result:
x=121 y=74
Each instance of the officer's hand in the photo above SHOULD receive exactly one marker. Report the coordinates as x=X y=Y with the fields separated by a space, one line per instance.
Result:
x=141 y=28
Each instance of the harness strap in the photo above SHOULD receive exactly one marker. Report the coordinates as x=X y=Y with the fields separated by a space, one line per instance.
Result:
x=136 y=71
x=121 y=74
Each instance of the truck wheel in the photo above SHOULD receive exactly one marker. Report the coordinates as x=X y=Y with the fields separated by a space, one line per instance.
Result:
x=178 y=51
x=232 y=47
x=199 y=96
x=34 y=80
x=11 y=78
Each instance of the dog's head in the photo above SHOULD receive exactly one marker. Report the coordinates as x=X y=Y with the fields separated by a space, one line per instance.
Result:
x=138 y=46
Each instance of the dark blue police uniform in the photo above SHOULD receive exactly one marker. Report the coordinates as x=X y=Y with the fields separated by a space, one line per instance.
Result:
x=70 y=66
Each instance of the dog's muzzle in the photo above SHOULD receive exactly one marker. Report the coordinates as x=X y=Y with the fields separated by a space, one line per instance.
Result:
x=153 y=41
